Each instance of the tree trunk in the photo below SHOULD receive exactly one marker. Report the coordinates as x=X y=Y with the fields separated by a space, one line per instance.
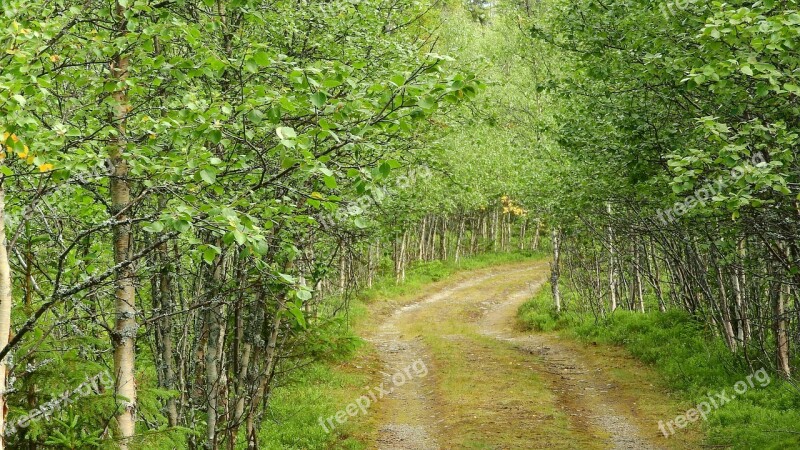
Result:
x=125 y=326
x=443 y=240
x=655 y=276
x=495 y=229
x=165 y=308
x=473 y=238
x=638 y=276
x=399 y=259
x=535 y=244
x=270 y=359
x=240 y=355
x=612 y=264
x=555 y=269
x=739 y=282
x=5 y=310
x=213 y=353
x=725 y=312
x=781 y=330
x=460 y=237
x=421 y=252
x=342 y=270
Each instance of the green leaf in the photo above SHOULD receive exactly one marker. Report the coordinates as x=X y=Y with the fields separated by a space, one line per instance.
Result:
x=255 y=116
x=297 y=313
x=215 y=136
x=208 y=175
x=285 y=133
x=239 y=236
x=318 y=99
x=154 y=227
x=398 y=80
x=210 y=253
x=182 y=225
x=262 y=58
x=287 y=278
x=793 y=88
x=427 y=103
x=288 y=162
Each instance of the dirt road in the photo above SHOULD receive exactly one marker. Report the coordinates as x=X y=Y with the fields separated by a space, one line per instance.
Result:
x=487 y=385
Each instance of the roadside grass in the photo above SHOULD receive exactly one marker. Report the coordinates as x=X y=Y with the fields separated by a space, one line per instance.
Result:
x=693 y=363
x=347 y=366
x=316 y=391
x=337 y=364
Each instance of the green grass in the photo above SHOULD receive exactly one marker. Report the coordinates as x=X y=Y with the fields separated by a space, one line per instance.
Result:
x=693 y=363
x=317 y=390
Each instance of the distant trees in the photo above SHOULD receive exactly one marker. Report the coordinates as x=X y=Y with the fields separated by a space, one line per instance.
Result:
x=681 y=129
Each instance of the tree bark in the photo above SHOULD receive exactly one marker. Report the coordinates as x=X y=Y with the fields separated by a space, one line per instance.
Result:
x=638 y=276
x=535 y=244
x=163 y=297
x=460 y=237
x=399 y=259
x=781 y=330
x=612 y=264
x=421 y=253
x=5 y=310
x=213 y=317
x=125 y=326
x=443 y=240
x=555 y=269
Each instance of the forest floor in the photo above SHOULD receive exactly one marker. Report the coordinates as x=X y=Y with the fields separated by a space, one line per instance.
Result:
x=488 y=385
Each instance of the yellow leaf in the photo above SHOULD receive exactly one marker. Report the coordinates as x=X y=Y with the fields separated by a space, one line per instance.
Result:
x=46 y=167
